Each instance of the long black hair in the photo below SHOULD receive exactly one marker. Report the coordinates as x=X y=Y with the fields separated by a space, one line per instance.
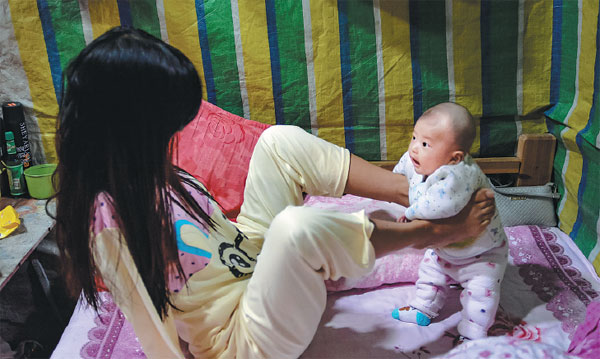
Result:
x=127 y=93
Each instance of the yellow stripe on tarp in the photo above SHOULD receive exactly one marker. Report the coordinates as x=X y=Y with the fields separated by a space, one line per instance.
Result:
x=182 y=30
x=257 y=60
x=537 y=57
x=537 y=61
x=537 y=125
x=568 y=213
x=328 y=72
x=397 y=67
x=466 y=31
x=580 y=114
x=596 y=264
x=32 y=49
x=594 y=255
x=104 y=15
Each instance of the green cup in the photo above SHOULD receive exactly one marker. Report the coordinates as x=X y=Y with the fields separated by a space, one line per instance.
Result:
x=39 y=180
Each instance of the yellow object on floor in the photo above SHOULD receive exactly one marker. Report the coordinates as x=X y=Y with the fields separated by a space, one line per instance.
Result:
x=9 y=221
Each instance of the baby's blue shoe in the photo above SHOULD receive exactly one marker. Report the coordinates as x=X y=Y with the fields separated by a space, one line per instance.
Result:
x=396 y=314
x=409 y=314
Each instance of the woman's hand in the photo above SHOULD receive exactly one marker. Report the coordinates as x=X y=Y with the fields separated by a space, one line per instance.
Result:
x=468 y=223
x=390 y=236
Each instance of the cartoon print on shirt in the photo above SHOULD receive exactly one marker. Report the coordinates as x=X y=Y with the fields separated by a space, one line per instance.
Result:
x=240 y=264
x=193 y=252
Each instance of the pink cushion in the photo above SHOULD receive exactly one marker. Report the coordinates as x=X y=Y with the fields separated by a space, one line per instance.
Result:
x=396 y=267
x=215 y=148
x=586 y=340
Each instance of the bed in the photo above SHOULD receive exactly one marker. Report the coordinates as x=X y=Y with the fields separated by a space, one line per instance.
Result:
x=549 y=308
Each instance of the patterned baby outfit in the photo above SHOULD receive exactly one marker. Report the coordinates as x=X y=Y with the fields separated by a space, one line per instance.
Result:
x=477 y=264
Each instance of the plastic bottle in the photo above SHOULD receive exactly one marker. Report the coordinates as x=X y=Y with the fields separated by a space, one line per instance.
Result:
x=14 y=167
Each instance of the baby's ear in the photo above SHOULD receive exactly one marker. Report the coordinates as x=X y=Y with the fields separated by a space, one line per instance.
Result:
x=457 y=157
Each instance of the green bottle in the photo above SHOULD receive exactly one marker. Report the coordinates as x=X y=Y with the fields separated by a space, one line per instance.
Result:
x=14 y=167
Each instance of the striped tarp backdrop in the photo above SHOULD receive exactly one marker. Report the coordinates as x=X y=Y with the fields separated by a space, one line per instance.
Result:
x=357 y=73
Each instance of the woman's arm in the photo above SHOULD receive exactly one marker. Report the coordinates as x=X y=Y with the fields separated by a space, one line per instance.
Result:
x=368 y=180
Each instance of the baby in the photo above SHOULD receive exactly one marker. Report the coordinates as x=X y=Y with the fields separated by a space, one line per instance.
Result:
x=442 y=177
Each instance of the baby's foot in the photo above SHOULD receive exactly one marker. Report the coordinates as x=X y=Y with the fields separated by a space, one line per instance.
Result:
x=409 y=314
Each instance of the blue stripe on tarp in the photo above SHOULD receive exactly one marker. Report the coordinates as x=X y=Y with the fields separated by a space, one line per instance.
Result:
x=211 y=93
x=484 y=135
x=275 y=62
x=125 y=13
x=556 y=53
x=346 y=69
x=579 y=138
x=51 y=47
x=550 y=125
x=414 y=58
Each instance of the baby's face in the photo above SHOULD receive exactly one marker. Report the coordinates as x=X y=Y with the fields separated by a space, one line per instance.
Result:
x=432 y=145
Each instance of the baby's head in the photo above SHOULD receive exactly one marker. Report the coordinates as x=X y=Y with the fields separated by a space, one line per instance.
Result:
x=443 y=135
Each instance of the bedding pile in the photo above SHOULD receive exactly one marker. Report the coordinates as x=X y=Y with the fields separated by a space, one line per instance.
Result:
x=546 y=291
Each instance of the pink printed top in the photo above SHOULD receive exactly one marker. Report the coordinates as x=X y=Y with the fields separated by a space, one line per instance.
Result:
x=216 y=264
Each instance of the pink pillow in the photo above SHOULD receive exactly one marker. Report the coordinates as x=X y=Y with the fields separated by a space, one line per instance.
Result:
x=215 y=148
x=586 y=340
x=397 y=267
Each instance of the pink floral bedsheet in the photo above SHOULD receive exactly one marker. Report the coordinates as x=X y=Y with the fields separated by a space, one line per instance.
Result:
x=547 y=287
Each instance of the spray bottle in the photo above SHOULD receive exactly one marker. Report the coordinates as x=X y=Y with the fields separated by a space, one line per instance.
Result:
x=14 y=121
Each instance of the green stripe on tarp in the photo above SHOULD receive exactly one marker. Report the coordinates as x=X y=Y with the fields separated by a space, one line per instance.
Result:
x=431 y=56
x=556 y=128
x=568 y=61
x=594 y=130
x=292 y=60
x=499 y=41
x=145 y=16
x=584 y=229
x=68 y=30
x=219 y=26
x=498 y=133
x=365 y=90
